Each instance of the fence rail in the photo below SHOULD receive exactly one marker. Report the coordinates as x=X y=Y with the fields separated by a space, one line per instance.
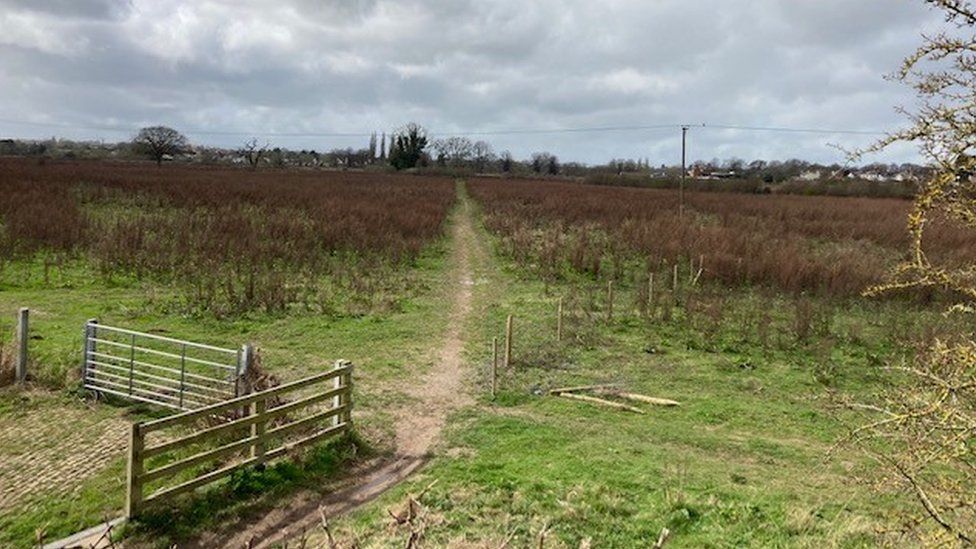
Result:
x=160 y=370
x=264 y=409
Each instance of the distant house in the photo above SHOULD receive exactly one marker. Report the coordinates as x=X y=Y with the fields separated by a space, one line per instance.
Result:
x=810 y=175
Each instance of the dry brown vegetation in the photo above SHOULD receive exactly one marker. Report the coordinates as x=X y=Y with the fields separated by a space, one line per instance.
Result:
x=829 y=245
x=232 y=240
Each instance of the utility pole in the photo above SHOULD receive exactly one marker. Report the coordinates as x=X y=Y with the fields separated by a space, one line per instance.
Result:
x=681 y=192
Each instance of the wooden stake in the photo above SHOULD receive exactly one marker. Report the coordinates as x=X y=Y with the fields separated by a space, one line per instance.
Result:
x=559 y=320
x=674 y=282
x=650 y=292
x=23 y=334
x=648 y=399
x=508 y=342
x=494 y=365
x=603 y=402
x=609 y=299
x=581 y=388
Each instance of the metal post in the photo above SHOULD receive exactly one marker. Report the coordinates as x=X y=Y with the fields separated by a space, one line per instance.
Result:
x=23 y=334
x=88 y=345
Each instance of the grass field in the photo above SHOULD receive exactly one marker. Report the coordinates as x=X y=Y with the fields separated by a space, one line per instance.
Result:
x=764 y=360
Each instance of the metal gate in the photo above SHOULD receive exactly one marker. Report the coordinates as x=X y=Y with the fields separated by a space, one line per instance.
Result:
x=160 y=370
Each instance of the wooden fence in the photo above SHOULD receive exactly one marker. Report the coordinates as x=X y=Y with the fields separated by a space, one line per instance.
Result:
x=269 y=418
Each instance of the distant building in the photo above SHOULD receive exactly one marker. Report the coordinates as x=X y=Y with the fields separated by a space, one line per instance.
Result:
x=810 y=175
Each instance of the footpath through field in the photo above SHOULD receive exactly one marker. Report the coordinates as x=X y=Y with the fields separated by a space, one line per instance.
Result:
x=419 y=422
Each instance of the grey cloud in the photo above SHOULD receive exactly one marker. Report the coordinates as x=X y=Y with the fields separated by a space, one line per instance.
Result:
x=455 y=65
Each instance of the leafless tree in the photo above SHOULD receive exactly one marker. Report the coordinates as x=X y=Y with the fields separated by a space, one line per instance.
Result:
x=454 y=150
x=925 y=429
x=506 y=162
x=482 y=155
x=160 y=141
x=253 y=153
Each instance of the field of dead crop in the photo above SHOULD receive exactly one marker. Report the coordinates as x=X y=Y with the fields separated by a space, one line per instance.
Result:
x=230 y=240
x=823 y=245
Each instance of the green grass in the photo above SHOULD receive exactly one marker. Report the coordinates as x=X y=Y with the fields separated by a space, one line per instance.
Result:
x=744 y=461
x=386 y=347
x=748 y=459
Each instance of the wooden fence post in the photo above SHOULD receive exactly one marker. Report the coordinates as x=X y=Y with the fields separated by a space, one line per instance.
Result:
x=258 y=428
x=508 y=342
x=133 y=498
x=674 y=282
x=246 y=359
x=494 y=366
x=347 y=398
x=650 y=292
x=609 y=300
x=559 y=320
x=23 y=334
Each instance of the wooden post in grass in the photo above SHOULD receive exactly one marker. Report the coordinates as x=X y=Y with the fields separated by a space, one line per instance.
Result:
x=559 y=320
x=23 y=334
x=650 y=292
x=609 y=300
x=133 y=493
x=674 y=281
x=258 y=407
x=494 y=366
x=508 y=342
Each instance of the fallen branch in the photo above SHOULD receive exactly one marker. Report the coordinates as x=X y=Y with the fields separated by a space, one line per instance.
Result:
x=604 y=402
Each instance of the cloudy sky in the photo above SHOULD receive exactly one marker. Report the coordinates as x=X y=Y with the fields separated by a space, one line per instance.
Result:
x=299 y=73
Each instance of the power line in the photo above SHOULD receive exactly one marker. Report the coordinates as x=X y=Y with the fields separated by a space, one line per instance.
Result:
x=511 y=131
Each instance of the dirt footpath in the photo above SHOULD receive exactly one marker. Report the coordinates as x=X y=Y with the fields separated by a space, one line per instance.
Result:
x=419 y=422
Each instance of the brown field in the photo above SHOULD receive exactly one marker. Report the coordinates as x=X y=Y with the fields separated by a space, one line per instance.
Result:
x=828 y=245
x=233 y=240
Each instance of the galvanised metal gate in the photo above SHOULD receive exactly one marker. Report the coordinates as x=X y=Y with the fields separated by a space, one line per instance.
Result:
x=160 y=370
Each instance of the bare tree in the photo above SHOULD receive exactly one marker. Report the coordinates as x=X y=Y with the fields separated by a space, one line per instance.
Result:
x=481 y=155
x=160 y=141
x=253 y=153
x=454 y=150
x=506 y=162
x=927 y=421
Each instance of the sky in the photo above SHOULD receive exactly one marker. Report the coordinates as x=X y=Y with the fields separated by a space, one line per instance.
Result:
x=319 y=74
